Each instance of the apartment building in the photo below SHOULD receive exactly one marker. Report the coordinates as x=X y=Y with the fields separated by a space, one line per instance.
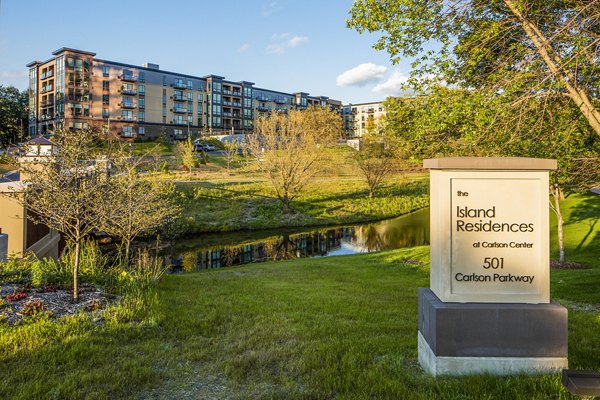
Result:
x=76 y=90
x=362 y=118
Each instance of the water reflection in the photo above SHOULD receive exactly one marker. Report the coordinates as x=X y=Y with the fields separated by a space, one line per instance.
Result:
x=198 y=254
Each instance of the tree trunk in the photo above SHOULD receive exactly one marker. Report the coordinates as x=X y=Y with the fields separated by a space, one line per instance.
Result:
x=542 y=44
x=76 y=272
x=556 y=193
x=127 y=247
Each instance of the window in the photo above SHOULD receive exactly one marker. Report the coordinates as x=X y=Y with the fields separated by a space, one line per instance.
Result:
x=105 y=113
x=190 y=96
x=142 y=90
x=164 y=111
x=247 y=113
x=127 y=115
x=199 y=97
x=127 y=101
x=178 y=107
x=164 y=80
x=105 y=98
x=190 y=108
x=248 y=103
x=216 y=110
x=127 y=131
x=199 y=108
x=164 y=98
x=141 y=130
x=142 y=103
x=190 y=119
x=217 y=98
x=142 y=76
x=247 y=123
x=247 y=92
x=105 y=70
x=142 y=116
x=178 y=119
x=70 y=62
x=105 y=85
x=178 y=132
x=216 y=121
x=190 y=85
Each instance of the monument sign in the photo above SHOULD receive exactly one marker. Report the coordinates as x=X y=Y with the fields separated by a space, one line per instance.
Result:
x=488 y=307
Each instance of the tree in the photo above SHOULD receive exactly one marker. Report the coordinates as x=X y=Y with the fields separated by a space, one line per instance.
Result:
x=523 y=48
x=135 y=206
x=187 y=153
x=64 y=191
x=231 y=153
x=288 y=148
x=457 y=122
x=374 y=162
x=13 y=114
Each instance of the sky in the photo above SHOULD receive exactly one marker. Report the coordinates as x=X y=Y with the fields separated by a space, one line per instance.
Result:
x=285 y=45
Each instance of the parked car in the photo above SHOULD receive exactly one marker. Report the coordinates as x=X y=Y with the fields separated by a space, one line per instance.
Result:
x=204 y=147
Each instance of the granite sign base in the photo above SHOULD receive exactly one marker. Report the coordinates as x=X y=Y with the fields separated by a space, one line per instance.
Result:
x=493 y=338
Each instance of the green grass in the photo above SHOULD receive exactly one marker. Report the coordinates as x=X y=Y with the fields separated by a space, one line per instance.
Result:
x=227 y=206
x=582 y=244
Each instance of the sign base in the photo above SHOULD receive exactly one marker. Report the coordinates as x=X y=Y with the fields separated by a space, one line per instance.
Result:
x=495 y=338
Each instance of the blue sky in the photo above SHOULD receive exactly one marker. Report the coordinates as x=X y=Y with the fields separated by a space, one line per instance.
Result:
x=287 y=45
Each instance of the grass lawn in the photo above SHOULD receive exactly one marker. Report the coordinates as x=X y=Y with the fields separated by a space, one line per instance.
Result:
x=340 y=327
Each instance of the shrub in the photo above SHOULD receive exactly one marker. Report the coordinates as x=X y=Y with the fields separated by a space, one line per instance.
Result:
x=33 y=307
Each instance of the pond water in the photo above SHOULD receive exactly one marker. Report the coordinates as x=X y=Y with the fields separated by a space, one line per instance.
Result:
x=210 y=251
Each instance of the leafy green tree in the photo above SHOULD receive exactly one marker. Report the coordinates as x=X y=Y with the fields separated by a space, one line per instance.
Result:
x=523 y=48
x=187 y=153
x=13 y=114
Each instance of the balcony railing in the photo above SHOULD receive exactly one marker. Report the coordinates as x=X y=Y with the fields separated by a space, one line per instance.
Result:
x=227 y=92
x=47 y=75
x=180 y=122
x=128 y=105
x=280 y=101
x=126 y=118
x=179 y=98
x=237 y=104
x=179 y=111
x=45 y=89
x=261 y=108
x=131 y=92
x=180 y=85
x=227 y=114
x=128 y=78
x=127 y=133
x=263 y=98
x=238 y=94
x=227 y=103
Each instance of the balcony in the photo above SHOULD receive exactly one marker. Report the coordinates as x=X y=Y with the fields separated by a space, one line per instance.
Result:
x=280 y=101
x=263 y=98
x=227 y=92
x=237 y=94
x=227 y=103
x=128 y=105
x=47 y=88
x=47 y=75
x=179 y=98
x=128 y=78
x=179 y=111
x=131 y=92
x=180 y=122
x=227 y=114
x=262 y=108
x=239 y=105
x=180 y=85
x=126 y=118
x=142 y=93
x=127 y=133
x=45 y=117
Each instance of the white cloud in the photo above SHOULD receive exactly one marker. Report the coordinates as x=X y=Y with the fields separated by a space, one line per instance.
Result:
x=244 y=48
x=392 y=86
x=269 y=8
x=296 y=41
x=361 y=75
x=284 y=41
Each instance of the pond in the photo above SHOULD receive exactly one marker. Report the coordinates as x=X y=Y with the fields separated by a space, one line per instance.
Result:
x=210 y=251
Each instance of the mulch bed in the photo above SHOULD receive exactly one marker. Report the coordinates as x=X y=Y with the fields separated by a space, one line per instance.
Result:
x=567 y=265
x=18 y=302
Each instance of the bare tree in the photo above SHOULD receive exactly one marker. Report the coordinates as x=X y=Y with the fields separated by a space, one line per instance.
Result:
x=64 y=190
x=135 y=206
x=374 y=162
x=231 y=153
x=289 y=146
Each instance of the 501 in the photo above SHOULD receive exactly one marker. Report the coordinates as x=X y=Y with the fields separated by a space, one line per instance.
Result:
x=493 y=263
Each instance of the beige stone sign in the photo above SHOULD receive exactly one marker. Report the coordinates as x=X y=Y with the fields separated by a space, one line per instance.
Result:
x=490 y=229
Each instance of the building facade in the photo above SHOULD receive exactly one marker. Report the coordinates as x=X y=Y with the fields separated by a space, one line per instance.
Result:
x=76 y=90
x=362 y=118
